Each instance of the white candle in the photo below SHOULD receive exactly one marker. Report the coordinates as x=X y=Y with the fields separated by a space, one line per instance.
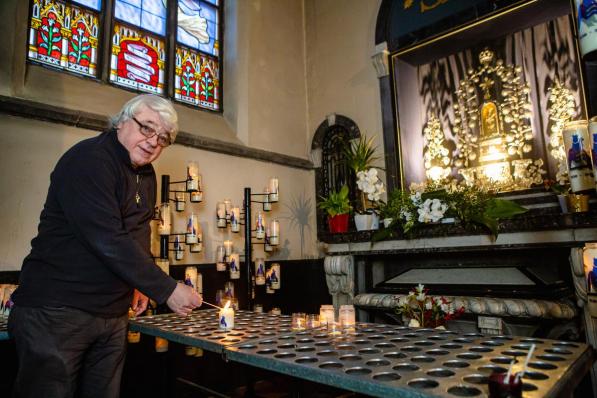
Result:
x=228 y=208
x=196 y=196
x=274 y=228
x=192 y=229
x=178 y=248
x=192 y=176
x=260 y=271
x=275 y=276
x=190 y=277
x=347 y=316
x=234 y=266
x=180 y=201
x=267 y=205
x=273 y=189
x=196 y=247
x=267 y=247
x=226 y=317
x=220 y=258
x=221 y=214
x=228 y=247
x=235 y=219
x=165 y=224
x=326 y=314
x=229 y=289
x=259 y=226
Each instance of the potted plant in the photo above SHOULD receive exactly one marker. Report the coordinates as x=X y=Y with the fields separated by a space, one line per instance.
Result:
x=337 y=205
x=359 y=155
x=562 y=191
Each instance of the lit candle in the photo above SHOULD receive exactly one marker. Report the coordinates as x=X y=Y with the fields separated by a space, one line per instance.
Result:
x=221 y=214
x=192 y=229
x=267 y=205
x=273 y=189
x=228 y=208
x=298 y=321
x=276 y=311
x=235 y=219
x=260 y=271
x=259 y=226
x=180 y=201
x=226 y=317
x=190 y=277
x=326 y=314
x=178 y=248
x=347 y=316
x=192 y=176
x=275 y=276
x=228 y=247
x=234 y=266
x=197 y=196
x=165 y=219
x=274 y=227
x=220 y=258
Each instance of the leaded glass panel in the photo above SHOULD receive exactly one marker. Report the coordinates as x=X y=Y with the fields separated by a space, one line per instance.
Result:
x=198 y=26
x=95 y=4
x=146 y=14
x=138 y=60
x=64 y=36
x=196 y=79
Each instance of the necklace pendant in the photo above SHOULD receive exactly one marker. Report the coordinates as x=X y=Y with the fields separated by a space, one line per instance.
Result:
x=138 y=198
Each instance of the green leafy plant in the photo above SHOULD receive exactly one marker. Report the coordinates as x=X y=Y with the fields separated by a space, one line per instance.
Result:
x=359 y=154
x=336 y=202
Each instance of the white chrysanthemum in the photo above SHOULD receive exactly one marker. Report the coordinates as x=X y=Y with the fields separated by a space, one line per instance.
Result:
x=428 y=305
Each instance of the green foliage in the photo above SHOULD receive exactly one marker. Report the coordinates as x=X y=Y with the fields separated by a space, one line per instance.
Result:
x=360 y=155
x=336 y=202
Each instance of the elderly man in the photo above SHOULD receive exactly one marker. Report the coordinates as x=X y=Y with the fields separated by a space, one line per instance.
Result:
x=69 y=322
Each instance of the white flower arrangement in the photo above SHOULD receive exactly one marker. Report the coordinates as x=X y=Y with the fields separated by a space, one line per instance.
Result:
x=369 y=183
x=432 y=210
x=420 y=309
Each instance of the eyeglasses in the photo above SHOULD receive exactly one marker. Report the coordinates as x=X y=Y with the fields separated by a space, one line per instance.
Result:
x=149 y=132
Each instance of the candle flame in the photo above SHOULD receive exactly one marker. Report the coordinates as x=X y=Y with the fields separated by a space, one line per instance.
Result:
x=227 y=304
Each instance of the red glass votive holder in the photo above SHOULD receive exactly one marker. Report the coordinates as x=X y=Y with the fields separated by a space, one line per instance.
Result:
x=500 y=387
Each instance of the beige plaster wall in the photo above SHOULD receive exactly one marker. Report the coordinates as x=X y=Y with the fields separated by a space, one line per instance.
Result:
x=29 y=150
x=340 y=40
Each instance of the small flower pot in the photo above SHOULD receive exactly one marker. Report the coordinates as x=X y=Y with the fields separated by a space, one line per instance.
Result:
x=338 y=223
x=366 y=222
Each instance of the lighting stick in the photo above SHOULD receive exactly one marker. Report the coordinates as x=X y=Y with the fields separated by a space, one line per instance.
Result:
x=526 y=362
x=213 y=305
x=507 y=378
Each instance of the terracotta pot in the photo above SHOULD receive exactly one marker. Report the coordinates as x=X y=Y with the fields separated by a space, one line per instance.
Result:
x=338 y=223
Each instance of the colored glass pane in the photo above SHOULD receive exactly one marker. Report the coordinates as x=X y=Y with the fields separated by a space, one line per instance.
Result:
x=197 y=79
x=95 y=4
x=198 y=26
x=64 y=36
x=214 y=2
x=137 y=60
x=146 y=14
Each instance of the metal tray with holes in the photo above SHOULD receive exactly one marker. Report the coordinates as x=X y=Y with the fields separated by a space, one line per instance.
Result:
x=3 y=328
x=200 y=329
x=385 y=360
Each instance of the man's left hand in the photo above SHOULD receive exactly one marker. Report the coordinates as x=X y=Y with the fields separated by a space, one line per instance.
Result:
x=139 y=303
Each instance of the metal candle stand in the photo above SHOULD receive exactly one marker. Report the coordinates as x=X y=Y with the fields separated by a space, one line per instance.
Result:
x=245 y=220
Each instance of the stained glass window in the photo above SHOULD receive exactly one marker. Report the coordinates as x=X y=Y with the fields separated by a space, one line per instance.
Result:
x=64 y=36
x=95 y=4
x=146 y=14
x=197 y=72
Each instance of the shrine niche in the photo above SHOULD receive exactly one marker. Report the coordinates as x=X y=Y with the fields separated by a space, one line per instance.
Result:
x=487 y=107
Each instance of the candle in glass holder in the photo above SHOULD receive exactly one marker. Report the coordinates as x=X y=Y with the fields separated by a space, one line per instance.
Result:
x=275 y=276
x=258 y=308
x=192 y=176
x=298 y=321
x=234 y=264
x=220 y=258
x=334 y=328
x=196 y=247
x=259 y=226
x=274 y=227
x=192 y=229
x=178 y=248
x=228 y=247
x=273 y=189
x=190 y=277
x=180 y=201
x=266 y=246
x=228 y=208
x=267 y=205
x=229 y=290
x=165 y=224
x=347 y=316
x=326 y=313
x=235 y=219
x=219 y=297
x=312 y=321
x=226 y=317
x=260 y=271
x=221 y=214
x=276 y=311
x=197 y=196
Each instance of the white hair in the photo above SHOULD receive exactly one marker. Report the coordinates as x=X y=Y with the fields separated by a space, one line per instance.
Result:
x=154 y=102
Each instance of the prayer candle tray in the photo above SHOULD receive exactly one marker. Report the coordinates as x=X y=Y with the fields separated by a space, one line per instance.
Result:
x=3 y=327
x=201 y=328
x=384 y=360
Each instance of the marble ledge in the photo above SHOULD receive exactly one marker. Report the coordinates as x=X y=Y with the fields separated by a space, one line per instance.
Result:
x=565 y=237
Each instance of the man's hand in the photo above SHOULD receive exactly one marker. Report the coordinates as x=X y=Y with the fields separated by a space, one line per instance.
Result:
x=184 y=299
x=139 y=303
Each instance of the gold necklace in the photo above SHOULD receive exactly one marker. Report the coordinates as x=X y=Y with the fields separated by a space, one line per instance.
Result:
x=137 y=196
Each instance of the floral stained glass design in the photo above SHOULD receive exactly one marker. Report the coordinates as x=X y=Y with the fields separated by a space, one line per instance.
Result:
x=64 y=36
x=138 y=60
x=197 y=72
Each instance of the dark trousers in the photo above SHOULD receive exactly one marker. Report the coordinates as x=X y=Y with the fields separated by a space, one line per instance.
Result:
x=66 y=352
